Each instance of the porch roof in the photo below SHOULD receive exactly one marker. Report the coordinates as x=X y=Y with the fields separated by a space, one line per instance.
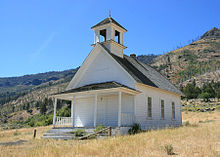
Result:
x=104 y=87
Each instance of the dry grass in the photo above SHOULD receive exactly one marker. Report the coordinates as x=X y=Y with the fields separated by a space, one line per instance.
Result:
x=202 y=139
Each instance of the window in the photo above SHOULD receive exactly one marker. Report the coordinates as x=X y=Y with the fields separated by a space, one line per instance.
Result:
x=173 y=110
x=117 y=36
x=162 y=109
x=103 y=35
x=149 y=107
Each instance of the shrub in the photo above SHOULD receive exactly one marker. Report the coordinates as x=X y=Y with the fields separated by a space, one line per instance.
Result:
x=169 y=149
x=80 y=132
x=186 y=123
x=16 y=133
x=99 y=127
x=64 y=112
x=205 y=96
x=136 y=128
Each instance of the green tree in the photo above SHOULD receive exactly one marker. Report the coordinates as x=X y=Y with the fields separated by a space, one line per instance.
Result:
x=43 y=108
x=218 y=93
x=191 y=91
x=207 y=88
x=205 y=96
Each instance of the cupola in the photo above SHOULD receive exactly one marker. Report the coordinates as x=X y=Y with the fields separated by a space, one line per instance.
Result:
x=110 y=34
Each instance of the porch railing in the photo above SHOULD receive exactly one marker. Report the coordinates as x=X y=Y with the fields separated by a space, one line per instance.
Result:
x=127 y=119
x=64 y=121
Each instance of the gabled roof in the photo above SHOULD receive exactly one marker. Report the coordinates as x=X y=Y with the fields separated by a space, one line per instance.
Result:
x=106 y=21
x=97 y=86
x=144 y=73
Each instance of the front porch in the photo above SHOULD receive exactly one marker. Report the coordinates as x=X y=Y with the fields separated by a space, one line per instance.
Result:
x=113 y=107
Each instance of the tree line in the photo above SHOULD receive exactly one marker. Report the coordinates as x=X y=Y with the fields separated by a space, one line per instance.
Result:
x=207 y=91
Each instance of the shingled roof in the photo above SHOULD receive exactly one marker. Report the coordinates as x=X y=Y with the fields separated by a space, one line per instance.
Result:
x=106 y=21
x=144 y=73
x=96 y=86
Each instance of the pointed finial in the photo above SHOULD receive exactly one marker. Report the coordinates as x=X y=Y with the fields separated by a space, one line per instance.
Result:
x=109 y=15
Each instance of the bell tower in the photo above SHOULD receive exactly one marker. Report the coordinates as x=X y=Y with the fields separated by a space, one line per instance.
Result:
x=111 y=35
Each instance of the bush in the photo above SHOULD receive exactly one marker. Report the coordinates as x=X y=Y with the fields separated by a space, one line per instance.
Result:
x=136 y=128
x=186 y=123
x=80 y=132
x=39 y=120
x=99 y=127
x=64 y=112
x=169 y=149
x=190 y=125
x=205 y=96
x=16 y=133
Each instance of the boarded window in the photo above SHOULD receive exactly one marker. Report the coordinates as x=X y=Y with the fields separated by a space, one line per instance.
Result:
x=162 y=109
x=173 y=110
x=149 y=107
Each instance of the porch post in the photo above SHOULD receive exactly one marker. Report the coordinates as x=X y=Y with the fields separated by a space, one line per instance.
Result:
x=95 y=109
x=54 y=112
x=119 y=108
x=73 y=110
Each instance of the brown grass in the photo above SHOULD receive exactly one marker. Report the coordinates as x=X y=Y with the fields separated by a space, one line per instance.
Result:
x=202 y=139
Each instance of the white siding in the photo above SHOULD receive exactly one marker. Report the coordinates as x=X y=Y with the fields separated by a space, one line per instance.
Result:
x=84 y=110
x=104 y=69
x=107 y=110
x=116 y=50
x=155 y=121
x=127 y=103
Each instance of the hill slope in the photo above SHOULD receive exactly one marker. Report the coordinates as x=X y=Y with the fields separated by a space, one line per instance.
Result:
x=197 y=58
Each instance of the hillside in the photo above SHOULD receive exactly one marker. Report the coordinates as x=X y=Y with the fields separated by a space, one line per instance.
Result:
x=193 y=60
x=20 y=97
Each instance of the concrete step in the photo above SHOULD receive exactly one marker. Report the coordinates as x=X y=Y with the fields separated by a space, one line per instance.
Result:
x=52 y=134
x=64 y=133
x=58 y=137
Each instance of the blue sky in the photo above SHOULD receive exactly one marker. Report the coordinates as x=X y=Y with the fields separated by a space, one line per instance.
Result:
x=53 y=35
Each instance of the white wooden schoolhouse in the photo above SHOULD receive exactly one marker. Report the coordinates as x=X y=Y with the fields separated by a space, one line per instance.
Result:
x=113 y=89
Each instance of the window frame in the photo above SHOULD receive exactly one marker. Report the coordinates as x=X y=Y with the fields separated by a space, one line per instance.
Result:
x=162 y=109
x=173 y=111
x=149 y=117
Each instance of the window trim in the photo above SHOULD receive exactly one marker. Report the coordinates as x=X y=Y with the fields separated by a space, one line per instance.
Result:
x=149 y=117
x=162 y=118
x=173 y=113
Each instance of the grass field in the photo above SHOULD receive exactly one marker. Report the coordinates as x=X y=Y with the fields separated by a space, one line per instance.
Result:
x=201 y=137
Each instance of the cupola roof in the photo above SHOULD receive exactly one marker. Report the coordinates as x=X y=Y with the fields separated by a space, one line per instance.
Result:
x=107 y=21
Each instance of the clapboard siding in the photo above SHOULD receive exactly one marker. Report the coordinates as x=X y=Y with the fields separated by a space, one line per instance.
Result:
x=157 y=96
x=84 y=112
x=103 y=69
x=127 y=105
x=107 y=110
